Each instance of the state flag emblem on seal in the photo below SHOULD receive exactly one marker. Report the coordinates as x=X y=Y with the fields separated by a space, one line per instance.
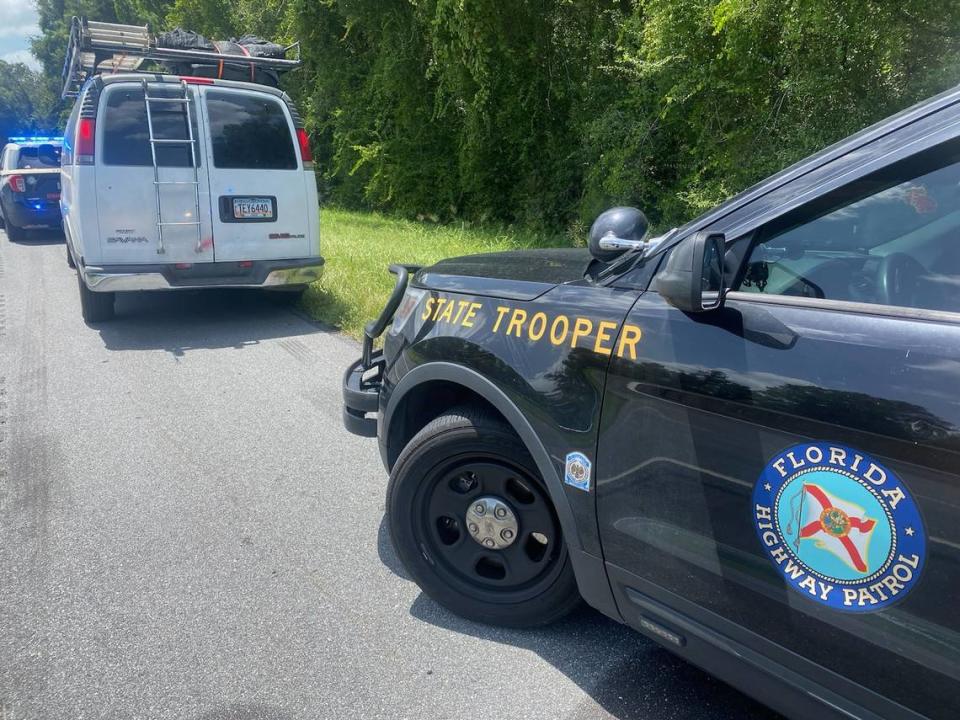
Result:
x=840 y=527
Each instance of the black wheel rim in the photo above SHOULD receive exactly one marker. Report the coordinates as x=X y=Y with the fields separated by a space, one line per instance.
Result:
x=524 y=569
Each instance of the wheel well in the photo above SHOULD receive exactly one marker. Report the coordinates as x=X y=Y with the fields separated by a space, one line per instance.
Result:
x=424 y=403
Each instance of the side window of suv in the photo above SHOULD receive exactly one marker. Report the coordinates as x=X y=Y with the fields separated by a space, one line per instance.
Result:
x=892 y=238
x=249 y=131
x=126 y=136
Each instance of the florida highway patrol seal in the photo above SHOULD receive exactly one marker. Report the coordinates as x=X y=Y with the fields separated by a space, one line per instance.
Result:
x=840 y=527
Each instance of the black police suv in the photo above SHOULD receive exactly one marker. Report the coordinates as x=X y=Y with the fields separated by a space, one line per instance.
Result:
x=741 y=438
x=30 y=185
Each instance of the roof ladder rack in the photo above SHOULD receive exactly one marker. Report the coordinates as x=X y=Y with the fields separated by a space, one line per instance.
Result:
x=100 y=47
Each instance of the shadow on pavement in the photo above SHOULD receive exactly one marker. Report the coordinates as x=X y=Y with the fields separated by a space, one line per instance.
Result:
x=183 y=320
x=629 y=676
x=40 y=237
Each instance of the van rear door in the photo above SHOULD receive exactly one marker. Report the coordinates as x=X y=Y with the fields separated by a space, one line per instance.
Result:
x=257 y=181
x=128 y=190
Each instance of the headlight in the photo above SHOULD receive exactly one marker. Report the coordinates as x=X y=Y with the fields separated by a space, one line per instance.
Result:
x=411 y=300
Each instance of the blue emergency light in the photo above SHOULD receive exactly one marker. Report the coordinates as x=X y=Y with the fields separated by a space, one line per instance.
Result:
x=21 y=140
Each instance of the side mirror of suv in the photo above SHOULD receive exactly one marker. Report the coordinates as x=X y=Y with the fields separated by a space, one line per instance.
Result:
x=693 y=279
x=615 y=231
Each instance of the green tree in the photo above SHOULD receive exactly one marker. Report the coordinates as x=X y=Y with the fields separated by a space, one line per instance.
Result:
x=720 y=94
x=27 y=103
x=544 y=112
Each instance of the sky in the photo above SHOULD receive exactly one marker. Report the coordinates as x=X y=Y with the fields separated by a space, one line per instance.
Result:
x=19 y=23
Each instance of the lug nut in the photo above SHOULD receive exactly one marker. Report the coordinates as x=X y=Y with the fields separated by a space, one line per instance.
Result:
x=500 y=512
x=506 y=534
x=474 y=528
x=488 y=542
x=479 y=509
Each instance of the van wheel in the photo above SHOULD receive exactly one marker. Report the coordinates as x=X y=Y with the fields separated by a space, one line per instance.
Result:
x=472 y=522
x=95 y=307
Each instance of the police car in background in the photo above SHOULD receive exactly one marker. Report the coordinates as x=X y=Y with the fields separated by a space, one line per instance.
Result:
x=741 y=438
x=30 y=185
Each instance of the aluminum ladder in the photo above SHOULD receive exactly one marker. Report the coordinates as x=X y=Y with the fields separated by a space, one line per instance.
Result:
x=185 y=100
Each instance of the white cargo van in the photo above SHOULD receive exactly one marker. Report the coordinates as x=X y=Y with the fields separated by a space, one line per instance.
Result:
x=175 y=182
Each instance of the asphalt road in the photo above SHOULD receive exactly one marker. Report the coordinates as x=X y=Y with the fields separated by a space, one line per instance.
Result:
x=186 y=531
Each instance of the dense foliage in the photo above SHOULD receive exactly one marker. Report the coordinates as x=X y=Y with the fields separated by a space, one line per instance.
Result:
x=542 y=112
x=27 y=103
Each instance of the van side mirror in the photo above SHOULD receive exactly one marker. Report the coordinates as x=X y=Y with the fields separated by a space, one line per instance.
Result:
x=693 y=279
x=617 y=230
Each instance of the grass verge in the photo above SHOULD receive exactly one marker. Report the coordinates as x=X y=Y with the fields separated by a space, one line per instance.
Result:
x=359 y=246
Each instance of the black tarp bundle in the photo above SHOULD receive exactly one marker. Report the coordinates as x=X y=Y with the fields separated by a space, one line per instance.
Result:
x=181 y=39
x=258 y=47
x=247 y=45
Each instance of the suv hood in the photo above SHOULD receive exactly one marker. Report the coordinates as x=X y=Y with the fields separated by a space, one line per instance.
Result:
x=515 y=274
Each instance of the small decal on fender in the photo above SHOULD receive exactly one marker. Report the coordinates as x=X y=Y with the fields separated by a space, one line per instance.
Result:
x=577 y=472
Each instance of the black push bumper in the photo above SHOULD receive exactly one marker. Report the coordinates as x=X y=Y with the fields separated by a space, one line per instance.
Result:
x=364 y=378
x=361 y=396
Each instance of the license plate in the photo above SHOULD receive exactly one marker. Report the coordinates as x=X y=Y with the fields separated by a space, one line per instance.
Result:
x=252 y=208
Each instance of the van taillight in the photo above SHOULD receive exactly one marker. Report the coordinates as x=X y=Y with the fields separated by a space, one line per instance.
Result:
x=305 y=153
x=17 y=184
x=86 y=132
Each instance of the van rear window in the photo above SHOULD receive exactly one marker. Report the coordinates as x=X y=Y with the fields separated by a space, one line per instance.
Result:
x=125 y=133
x=249 y=132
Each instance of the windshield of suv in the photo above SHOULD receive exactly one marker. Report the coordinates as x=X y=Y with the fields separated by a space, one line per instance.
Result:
x=43 y=156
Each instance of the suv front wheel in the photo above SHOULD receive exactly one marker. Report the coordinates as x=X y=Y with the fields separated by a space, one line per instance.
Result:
x=473 y=523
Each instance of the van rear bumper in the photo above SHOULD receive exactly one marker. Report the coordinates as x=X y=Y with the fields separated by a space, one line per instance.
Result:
x=259 y=273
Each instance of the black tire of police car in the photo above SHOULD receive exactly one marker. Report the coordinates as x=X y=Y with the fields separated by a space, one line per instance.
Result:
x=70 y=263
x=95 y=307
x=458 y=459
x=14 y=232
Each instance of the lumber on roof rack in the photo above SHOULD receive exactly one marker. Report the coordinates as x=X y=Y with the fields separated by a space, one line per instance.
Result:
x=101 y=47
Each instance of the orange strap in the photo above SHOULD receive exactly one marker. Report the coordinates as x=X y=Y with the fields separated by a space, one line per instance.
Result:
x=252 y=71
